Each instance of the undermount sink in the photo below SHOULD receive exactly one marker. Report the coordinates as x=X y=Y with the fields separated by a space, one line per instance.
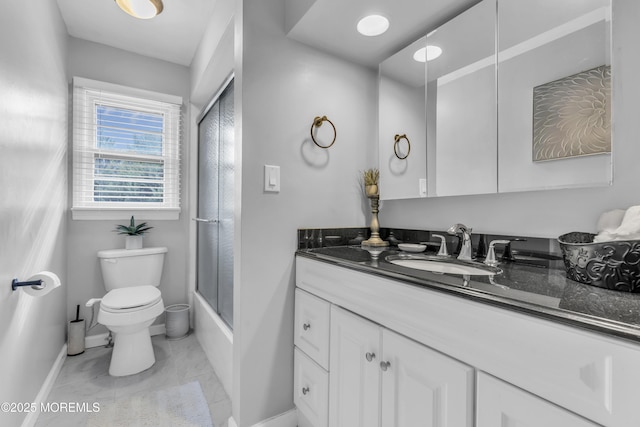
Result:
x=443 y=265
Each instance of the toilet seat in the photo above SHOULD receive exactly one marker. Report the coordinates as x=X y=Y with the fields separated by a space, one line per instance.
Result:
x=125 y=300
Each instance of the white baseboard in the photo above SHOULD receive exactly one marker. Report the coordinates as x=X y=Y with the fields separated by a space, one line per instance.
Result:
x=286 y=419
x=47 y=385
x=101 y=339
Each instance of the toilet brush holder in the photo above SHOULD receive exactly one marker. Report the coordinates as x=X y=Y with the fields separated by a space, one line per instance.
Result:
x=75 y=332
x=75 y=335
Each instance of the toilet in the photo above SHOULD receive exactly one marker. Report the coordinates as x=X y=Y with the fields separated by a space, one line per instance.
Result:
x=132 y=303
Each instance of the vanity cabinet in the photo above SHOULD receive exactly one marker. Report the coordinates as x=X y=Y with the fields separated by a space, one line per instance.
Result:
x=376 y=376
x=380 y=378
x=435 y=340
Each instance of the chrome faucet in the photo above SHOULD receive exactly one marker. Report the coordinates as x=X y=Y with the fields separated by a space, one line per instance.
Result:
x=466 y=250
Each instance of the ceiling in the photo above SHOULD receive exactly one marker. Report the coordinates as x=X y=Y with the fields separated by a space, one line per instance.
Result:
x=172 y=36
x=321 y=27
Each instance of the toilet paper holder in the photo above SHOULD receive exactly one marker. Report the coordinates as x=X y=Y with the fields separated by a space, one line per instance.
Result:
x=35 y=284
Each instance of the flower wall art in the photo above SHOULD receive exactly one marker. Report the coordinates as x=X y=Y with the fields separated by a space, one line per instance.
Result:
x=572 y=116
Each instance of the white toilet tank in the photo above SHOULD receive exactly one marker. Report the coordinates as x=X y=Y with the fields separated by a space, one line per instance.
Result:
x=123 y=268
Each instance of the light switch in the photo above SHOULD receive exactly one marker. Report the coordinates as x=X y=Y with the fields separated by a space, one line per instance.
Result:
x=422 y=185
x=272 y=178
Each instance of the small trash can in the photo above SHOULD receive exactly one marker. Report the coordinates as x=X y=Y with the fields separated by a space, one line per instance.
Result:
x=177 y=321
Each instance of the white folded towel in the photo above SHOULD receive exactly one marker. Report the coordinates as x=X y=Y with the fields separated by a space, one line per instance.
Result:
x=610 y=220
x=630 y=222
x=610 y=228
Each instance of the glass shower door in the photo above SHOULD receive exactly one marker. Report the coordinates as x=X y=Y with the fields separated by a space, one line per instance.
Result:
x=216 y=205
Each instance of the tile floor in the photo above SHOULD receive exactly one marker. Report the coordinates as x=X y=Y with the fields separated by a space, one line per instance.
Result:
x=85 y=378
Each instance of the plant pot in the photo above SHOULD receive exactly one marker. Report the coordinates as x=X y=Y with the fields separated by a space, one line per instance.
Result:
x=371 y=190
x=133 y=242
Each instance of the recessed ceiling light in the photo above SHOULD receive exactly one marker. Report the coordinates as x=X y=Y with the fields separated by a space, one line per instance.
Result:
x=420 y=55
x=373 y=25
x=142 y=9
x=427 y=53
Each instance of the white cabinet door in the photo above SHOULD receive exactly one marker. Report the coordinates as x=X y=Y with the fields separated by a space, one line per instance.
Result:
x=354 y=375
x=502 y=405
x=421 y=387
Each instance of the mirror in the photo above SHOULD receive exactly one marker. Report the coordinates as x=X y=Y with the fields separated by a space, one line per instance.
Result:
x=401 y=111
x=534 y=115
x=461 y=104
x=554 y=94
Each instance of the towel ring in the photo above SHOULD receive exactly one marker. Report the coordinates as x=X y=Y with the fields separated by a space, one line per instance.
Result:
x=317 y=122
x=397 y=138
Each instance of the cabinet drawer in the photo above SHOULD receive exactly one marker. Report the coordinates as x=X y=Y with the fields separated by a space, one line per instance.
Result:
x=310 y=391
x=312 y=317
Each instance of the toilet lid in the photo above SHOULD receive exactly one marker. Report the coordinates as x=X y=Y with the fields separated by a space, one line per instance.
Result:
x=137 y=296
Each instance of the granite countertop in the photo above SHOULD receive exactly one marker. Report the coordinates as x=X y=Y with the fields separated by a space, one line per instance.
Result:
x=535 y=290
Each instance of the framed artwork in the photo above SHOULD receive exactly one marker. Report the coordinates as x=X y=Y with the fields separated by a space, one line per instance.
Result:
x=572 y=116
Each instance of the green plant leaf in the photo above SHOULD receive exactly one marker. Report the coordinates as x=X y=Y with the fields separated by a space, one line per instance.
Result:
x=132 y=229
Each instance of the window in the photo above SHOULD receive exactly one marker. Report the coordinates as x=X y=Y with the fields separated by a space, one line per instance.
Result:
x=126 y=152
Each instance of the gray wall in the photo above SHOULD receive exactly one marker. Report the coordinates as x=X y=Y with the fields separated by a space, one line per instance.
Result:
x=281 y=86
x=33 y=193
x=553 y=212
x=87 y=237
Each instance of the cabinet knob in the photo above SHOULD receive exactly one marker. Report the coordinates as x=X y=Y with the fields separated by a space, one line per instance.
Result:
x=385 y=365
x=306 y=326
x=305 y=390
x=370 y=356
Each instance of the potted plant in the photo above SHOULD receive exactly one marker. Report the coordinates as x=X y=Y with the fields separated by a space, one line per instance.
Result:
x=133 y=232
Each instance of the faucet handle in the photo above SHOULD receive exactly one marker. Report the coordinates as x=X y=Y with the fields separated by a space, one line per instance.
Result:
x=443 y=245
x=490 y=260
x=507 y=255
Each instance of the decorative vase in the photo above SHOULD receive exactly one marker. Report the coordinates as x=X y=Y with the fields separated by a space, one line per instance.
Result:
x=133 y=242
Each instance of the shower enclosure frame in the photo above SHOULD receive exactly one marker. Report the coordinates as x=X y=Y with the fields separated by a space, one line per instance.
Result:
x=214 y=221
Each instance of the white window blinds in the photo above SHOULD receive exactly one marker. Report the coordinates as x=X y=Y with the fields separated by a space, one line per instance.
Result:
x=126 y=152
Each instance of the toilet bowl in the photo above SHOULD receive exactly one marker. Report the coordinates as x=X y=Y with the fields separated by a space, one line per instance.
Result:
x=131 y=305
x=128 y=313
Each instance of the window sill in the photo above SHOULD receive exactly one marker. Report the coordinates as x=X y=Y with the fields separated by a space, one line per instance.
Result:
x=124 y=213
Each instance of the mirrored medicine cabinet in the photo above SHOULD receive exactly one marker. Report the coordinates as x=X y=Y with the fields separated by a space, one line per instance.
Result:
x=518 y=99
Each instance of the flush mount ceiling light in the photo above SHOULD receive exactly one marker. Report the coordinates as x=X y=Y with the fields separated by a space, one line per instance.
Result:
x=142 y=9
x=427 y=53
x=373 y=25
